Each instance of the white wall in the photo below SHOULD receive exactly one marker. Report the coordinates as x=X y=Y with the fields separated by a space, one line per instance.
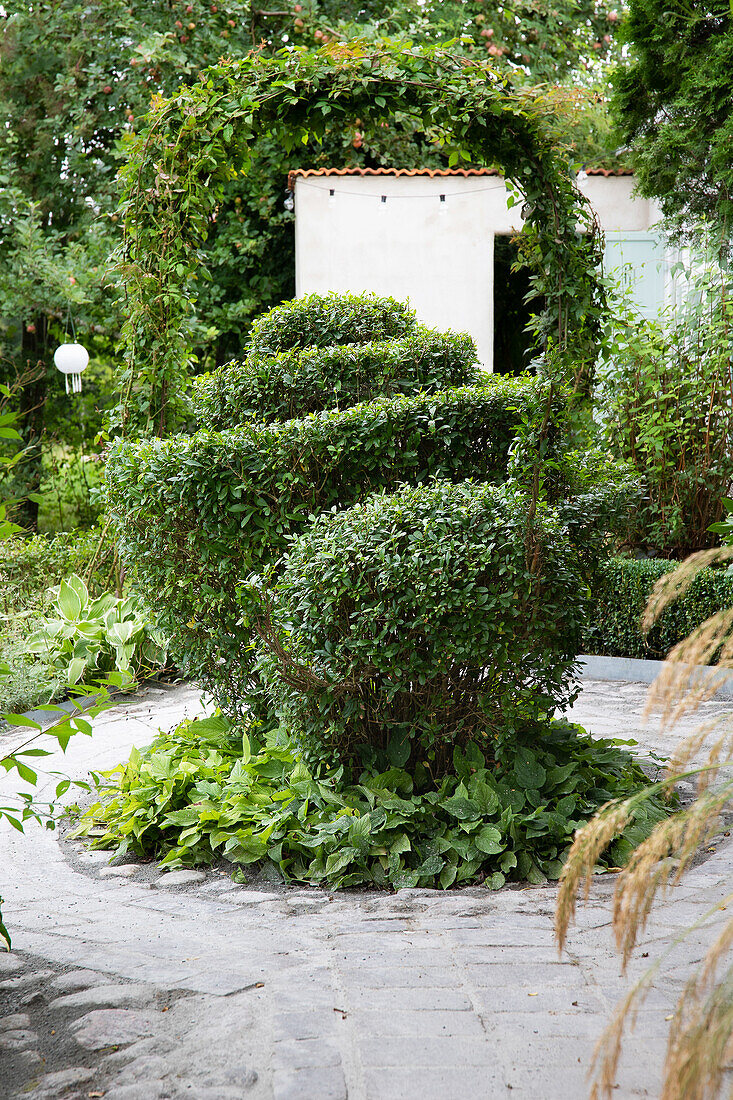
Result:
x=439 y=255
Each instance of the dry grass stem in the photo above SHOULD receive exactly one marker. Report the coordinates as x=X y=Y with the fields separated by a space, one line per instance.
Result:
x=673 y=585
x=700 y=1042
x=687 y=751
x=681 y=687
x=699 y=1037
x=660 y=861
x=607 y=1053
x=589 y=843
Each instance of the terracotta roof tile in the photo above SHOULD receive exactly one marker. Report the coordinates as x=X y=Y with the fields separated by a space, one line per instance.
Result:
x=609 y=172
x=432 y=172
x=301 y=173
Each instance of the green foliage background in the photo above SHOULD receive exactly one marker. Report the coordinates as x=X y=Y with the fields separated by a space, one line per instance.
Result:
x=674 y=103
x=76 y=84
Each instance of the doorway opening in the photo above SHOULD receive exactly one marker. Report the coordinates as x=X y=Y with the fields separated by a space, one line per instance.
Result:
x=513 y=346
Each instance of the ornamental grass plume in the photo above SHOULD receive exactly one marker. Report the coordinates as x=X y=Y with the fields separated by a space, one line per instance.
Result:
x=681 y=687
x=701 y=1030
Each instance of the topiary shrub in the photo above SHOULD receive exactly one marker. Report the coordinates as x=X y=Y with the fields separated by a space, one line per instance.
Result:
x=196 y=515
x=426 y=631
x=322 y=320
x=297 y=382
x=620 y=592
x=420 y=621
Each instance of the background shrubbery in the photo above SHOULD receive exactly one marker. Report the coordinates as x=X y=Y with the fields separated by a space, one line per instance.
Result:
x=29 y=568
x=621 y=589
x=665 y=406
x=31 y=565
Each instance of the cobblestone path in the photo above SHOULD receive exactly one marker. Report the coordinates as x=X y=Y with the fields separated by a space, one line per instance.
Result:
x=135 y=985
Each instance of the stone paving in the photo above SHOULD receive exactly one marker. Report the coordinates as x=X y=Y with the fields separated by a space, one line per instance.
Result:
x=135 y=985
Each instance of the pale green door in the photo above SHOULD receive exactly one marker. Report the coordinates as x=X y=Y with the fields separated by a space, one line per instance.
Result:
x=636 y=260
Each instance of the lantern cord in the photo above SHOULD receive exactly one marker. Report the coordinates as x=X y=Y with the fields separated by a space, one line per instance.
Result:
x=69 y=321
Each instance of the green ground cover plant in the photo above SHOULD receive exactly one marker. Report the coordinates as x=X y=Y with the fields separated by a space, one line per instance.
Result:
x=31 y=564
x=209 y=791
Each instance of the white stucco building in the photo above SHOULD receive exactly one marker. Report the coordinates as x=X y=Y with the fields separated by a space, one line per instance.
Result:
x=431 y=237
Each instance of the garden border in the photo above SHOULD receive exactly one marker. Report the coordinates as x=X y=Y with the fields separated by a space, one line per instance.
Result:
x=634 y=670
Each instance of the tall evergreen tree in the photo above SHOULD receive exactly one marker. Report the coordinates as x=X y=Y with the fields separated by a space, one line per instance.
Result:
x=675 y=102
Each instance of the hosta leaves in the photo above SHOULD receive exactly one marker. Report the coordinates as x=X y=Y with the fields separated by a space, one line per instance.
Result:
x=489 y=840
x=196 y=796
x=109 y=636
x=528 y=772
x=72 y=597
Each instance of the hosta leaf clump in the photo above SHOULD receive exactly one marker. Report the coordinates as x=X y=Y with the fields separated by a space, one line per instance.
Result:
x=207 y=792
x=83 y=638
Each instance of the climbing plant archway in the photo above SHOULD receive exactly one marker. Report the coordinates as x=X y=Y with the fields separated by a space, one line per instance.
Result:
x=197 y=140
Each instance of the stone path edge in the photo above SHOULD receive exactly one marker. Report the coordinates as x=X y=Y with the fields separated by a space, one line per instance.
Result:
x=633 y=670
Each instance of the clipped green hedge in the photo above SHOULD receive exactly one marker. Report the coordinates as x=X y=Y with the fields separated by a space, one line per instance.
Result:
x=620 y=594
x=412 y=623
x=301 y=381
x=197 y=515
x=322 y=320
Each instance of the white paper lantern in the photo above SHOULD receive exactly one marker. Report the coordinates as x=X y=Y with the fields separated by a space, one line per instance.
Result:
x=71 y=360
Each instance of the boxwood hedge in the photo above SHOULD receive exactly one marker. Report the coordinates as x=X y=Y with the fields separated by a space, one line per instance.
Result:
x=416 y=622
x=322 y=320
x=621 y=589
x=197 y=515
x=301 y=381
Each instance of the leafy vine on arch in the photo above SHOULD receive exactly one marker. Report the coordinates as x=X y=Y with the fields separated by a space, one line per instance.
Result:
x=197 y=140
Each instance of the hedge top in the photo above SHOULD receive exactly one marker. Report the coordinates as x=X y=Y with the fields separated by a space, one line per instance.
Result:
x=293 y=383
x=321 y=320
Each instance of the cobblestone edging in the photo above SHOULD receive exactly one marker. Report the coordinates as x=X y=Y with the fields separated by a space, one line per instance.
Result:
x=141 y=986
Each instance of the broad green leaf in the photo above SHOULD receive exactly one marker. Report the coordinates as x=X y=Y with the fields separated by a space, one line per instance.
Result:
x=75 y=671
x=527 y=769
x=69 y=601
x=22 y=720
x=119 y=634
x=489 y=840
